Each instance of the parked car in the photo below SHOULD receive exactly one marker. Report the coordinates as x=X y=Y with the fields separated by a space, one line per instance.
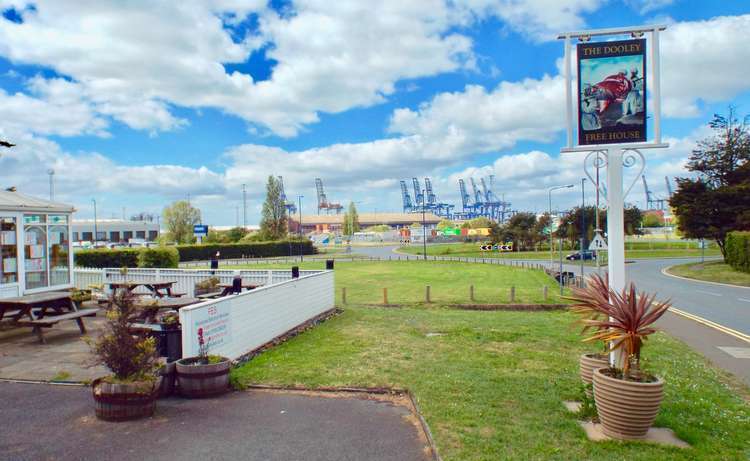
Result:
x=586 y=255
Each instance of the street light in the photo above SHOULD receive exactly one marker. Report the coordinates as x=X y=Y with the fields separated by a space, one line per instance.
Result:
x=583 y=223
x=299 y=200
x=96 y=229
x=560 y=275
x=568 y=186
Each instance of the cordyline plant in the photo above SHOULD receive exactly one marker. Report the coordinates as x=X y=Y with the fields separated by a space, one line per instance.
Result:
x=129 y=357
x=622 y=320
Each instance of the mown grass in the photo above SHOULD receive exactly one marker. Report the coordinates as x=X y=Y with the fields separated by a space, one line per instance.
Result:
x=449 y=282
x=635 y=250
x=713 y=271
x=490 y=384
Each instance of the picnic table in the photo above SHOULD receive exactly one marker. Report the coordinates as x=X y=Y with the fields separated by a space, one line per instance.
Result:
x=151 y=307
x=228 y=287
x=159 y=289
x=43 y=310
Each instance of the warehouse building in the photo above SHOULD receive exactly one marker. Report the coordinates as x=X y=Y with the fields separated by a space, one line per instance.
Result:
x=114 y=230
x=335 y=223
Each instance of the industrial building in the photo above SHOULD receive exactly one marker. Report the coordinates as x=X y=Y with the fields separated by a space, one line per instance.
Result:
x=335 y=222
x=114 y=230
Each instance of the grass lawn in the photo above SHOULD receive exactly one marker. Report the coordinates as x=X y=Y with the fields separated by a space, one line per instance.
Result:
x=632 y=250
x=490 y=384
x=713 y=271
x=449 y=282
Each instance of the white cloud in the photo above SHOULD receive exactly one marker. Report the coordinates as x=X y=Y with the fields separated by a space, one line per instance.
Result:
x=704 y=60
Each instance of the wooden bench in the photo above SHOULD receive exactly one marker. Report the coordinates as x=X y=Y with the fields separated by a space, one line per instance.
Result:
x=49 y=321
x=211 y=295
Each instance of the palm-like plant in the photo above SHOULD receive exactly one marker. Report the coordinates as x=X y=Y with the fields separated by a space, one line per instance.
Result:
x=622 y=320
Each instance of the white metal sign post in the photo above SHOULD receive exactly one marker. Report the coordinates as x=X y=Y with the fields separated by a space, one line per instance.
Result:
x=611 y=107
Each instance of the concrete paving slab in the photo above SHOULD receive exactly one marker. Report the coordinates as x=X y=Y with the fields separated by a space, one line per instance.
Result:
x=57 y=422
x=658 y=435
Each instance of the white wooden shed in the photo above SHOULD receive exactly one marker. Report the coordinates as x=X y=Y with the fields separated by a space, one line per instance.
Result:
x=35 y=245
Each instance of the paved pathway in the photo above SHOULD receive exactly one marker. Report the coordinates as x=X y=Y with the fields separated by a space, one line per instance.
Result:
x=253 y=425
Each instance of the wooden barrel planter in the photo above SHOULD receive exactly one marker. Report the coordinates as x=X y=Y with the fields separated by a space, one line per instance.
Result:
x=124 y=402
x=197 y=380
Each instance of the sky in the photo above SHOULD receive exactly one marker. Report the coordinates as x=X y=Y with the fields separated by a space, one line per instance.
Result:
x=137 y=104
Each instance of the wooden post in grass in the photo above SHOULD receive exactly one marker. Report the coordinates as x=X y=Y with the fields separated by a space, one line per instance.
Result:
x=471 y=293
x=512 y=294
x=385 y=295
x=544 y=291
x=343 y=295
x=427 y=294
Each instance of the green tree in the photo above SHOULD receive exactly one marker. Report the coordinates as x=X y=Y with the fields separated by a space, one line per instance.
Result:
x=718 y=200
x=273 y=223
x=179 y=219
x=351 y=220
x=521 y=229
x=445 y=224
x=652 y=220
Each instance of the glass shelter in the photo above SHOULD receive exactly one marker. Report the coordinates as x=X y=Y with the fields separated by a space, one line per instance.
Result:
x=35 y=245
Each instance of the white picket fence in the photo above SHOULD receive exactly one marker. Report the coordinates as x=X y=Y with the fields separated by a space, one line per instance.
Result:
x=185 y=278
x=237 y=324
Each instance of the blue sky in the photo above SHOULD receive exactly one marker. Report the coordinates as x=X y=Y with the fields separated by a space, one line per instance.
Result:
x=140 y=105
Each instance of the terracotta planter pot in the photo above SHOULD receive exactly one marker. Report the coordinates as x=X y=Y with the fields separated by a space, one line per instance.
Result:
x=123 y=402
x=588 y=363
x=626 y=408
x=197 y=380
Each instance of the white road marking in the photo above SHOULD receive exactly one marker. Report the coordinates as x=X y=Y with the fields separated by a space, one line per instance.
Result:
x=709 y=293
x=745 y=300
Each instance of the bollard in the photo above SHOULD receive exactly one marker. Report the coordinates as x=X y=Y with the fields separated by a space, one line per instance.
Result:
x=329 y=264
x=471 y=292
x=385 y=295
x=427 y=294
x=512 y=294
x=343 y=295
x=544 y=291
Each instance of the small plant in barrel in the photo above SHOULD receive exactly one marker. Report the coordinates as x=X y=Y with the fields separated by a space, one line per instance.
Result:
x=129 y=392
x=204 y=375
x=627 y=398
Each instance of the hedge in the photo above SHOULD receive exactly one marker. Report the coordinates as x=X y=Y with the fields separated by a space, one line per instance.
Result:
x=103 y=257
x=158 y=257
x=246 y=250
x=737 y=249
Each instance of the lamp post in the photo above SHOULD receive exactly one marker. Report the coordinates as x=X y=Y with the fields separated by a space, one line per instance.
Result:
x=583 y=223
x=424 y=229
x=299 y=208
x=567 y=186
x=96 y=229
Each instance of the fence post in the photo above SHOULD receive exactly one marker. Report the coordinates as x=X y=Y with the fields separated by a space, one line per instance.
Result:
x=427 y=294
x=385 y=295
x=544 y=292
x=270 y=277
x=343 y=295
x=471 y=293
x=512 y=294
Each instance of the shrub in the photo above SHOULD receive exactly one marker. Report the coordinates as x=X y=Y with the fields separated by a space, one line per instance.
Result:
x=248 y=250
x=103 y=257
x=737 y=249
x=158 y=257
x=130 y=358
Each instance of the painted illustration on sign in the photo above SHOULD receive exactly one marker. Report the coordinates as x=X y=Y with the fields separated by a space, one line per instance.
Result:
x=612 y=92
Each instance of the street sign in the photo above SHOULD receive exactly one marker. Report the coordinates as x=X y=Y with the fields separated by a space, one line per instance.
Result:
x=200 y=230
x=598 y=243
x=500 y=247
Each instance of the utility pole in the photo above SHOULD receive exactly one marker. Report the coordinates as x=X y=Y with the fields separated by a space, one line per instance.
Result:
x=51 y=174
x=244 y=207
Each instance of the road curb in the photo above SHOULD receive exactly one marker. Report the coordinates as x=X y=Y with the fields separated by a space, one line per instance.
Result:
x=665 y=271
x=726 y=330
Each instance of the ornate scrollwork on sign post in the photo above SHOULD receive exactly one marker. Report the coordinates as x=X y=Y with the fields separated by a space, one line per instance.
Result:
x=629 y=160
x=597 y=160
